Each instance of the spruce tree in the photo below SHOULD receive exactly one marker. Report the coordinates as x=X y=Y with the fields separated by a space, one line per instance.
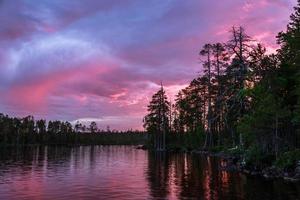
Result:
x=156 y=121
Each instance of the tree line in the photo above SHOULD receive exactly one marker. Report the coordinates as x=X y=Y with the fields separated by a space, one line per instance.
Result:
x=23 y=131
x=245 y=98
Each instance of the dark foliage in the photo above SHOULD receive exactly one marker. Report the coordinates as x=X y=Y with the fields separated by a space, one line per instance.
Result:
x=245 y=99
x=27 y=131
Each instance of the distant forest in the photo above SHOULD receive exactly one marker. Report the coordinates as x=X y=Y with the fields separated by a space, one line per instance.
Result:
x=246 y=100
x=27 y=131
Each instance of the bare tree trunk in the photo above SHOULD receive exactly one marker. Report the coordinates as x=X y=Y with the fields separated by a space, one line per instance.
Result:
x=209 y=100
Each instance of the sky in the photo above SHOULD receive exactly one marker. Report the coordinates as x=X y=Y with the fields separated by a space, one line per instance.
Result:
x=102 y=60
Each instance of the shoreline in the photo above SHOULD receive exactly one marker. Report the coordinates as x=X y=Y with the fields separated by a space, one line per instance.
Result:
x=235 y=163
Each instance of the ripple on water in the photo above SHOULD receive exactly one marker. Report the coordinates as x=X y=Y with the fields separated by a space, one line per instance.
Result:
x=122 y=172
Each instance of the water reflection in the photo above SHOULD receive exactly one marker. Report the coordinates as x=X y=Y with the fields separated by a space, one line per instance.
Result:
x=186 y=176
x=122 y=172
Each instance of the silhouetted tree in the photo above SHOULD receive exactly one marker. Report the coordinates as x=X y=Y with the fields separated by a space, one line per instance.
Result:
x=156 y=121
x=93 y=127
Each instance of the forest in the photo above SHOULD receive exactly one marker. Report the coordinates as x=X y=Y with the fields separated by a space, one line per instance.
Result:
x=28 y=131
x=246 y=101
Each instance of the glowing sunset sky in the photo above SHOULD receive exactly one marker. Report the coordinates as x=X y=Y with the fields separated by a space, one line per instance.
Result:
x=103 y=59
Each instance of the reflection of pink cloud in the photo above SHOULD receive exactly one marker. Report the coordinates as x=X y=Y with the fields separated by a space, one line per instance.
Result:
x=27 y=185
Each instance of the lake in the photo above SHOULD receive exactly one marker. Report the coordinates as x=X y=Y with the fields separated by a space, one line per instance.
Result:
x=123 y=172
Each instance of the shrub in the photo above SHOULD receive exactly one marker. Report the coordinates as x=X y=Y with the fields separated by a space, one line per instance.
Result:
x=288 y=159
x=254 y=156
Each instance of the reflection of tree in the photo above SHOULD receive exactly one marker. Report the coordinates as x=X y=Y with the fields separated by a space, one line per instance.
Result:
x=192 y=180
x=158 y=174
x=185 y=176
x=256 y=188
x=219 y=184
x=39 y=158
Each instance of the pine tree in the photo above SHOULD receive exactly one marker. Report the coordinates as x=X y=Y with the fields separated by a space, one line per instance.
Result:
x=156 y=121
x=289 y=72
x=220 y=63
x=207 y=53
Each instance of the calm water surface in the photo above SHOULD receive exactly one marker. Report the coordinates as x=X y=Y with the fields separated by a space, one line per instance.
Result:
x=122 y=172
